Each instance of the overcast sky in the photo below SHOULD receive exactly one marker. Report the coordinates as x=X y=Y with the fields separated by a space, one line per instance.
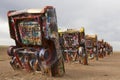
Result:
x=101 y=17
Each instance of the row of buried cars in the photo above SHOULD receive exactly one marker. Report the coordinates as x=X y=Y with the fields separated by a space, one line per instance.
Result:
x=40 y=48
x=76 y=46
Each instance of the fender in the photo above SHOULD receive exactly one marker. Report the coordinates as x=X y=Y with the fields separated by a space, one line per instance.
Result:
x=14 y=54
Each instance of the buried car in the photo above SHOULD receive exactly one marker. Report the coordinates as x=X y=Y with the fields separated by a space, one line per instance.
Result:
x=73 y=45
x=36 y=37
x=92 y=46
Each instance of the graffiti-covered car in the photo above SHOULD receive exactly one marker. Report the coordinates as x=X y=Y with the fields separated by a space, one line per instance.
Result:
x=36 y=37
x=74 y=45
x=92 y=46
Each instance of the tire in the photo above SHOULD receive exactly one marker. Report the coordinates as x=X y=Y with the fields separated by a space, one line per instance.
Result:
x=10 y=50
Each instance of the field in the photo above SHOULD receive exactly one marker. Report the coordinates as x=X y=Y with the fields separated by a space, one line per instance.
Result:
x=107 y=68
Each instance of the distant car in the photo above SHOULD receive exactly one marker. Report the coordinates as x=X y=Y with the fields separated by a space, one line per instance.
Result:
x=73 y=41
x=92 y=46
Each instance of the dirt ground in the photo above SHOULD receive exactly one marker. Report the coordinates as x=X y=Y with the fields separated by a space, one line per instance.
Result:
x=107 y=68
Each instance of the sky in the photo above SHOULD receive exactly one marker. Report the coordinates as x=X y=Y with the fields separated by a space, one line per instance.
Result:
x=101 y=17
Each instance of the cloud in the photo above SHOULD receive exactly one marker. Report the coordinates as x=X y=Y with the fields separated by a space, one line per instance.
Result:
x=5 y=36
x=97 y=16
x=116 y=45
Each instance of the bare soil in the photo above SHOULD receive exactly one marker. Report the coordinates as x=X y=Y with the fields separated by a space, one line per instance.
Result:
x=107 y=68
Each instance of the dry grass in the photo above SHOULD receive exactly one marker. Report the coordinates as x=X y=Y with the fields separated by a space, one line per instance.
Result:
x=107 y=68
x=3 y=51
